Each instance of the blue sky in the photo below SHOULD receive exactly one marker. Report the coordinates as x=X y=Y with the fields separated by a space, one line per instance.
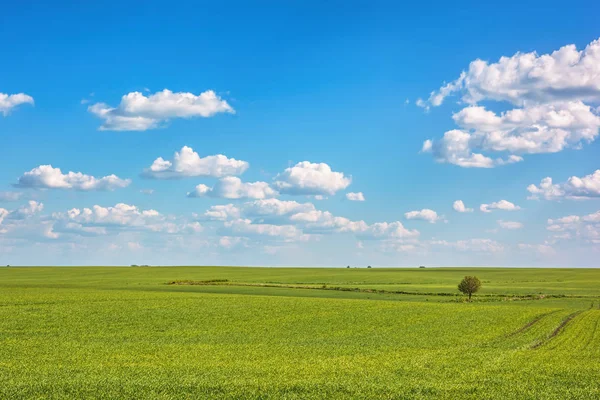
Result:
x=309 y=104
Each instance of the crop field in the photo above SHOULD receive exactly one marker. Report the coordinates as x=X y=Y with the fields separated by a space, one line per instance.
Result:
x=298 y=333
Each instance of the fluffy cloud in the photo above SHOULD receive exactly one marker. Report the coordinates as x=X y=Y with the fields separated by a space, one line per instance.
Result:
x=387 y=230
x=565 y=74
x=138 y=112
x=232 y=187
x=424 y=214
x=187 y=163
x=262 y=209
x=222 y=212
x=121 y=214
x=245 y=227
x=358 y=196
x=10 y=101
x=317 y=221
x=574 y=188
x=547 y=128
x=509 y=224
x=261 y=216
x=460 y=207
x=28 y=210
x=47 y=177
x=499 y=205
x=552 y=91
x=306 y=178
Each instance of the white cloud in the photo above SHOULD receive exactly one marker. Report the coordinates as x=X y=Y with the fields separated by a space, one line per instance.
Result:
x=47 y=177
x=260 y=216
x=274 y=210
x=474 y=245
x=499 y=205
x=187 y=163
x=355 y=196
x=138 y=112
x=586 y=227
x=306 y=178
x=119 y=215
x=424 y=214
x=10 y=196
x=147 y=191
x=565 y=74
x=222 y=212
x=232 y=187
x=245 y=227
x=509 y=224
x=10 y=101
x=387 y=230
x=552 y=91
x=574 y=188
x=543 y=249
x=229 y=242
x=317 y=221
x=459 y=206
x=547 y=128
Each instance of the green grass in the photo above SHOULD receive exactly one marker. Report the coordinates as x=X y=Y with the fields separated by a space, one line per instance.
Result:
x=113 y=333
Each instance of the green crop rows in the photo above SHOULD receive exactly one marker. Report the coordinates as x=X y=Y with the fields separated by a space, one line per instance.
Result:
x=208 y=332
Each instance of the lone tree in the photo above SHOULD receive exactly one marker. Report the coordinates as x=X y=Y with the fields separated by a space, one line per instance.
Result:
x=469 y=285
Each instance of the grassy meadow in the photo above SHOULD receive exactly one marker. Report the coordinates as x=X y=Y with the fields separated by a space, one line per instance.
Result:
x=298 y=333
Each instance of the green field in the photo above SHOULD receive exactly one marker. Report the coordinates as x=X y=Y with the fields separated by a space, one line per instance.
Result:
x=283 y=333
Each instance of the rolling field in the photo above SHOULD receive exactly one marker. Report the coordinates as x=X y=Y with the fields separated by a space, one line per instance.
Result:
x=297 y=333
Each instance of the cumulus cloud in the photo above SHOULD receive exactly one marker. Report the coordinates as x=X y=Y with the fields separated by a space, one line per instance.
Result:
x=509 y=224
x=499 y=205
x=387 y=230
x=565 y=74
x=358 y=196
x=121 y=214
x=245 y=227
x=460 y=207
x=187 y=163
x=424 y=214
x=574 y=188
x=10 y=101
x=138 y=112
x=552 y=91
x=306 y=178
x=47 y=177
x=547 y=128
x=232 y=187
x=25 y=211
x=317 y=221
x=261 y=216
x=222 y=212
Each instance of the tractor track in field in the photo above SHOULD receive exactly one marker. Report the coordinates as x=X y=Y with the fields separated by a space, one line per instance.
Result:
x=531 y=323
x=558 y=329
x=589 y=341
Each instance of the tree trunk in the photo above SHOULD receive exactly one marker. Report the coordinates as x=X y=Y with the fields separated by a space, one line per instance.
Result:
x=469 y=296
